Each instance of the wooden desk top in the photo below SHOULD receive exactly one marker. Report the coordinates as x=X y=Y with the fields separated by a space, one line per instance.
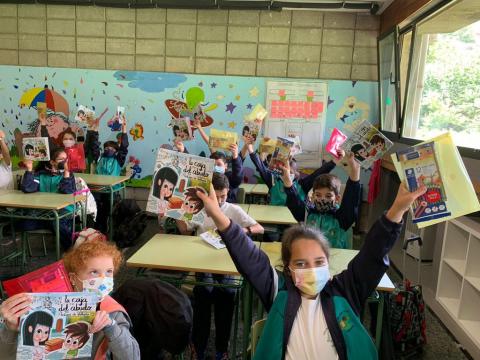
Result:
x=102 y=180
x=182 y=253
x=269 y=214
x=37 y=200
x=247 y=187
x=339 y=259
x=260 y=189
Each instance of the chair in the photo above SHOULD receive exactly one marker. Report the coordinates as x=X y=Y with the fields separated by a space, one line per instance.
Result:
x=257 y=330
x=39 y=232
x=241 y=195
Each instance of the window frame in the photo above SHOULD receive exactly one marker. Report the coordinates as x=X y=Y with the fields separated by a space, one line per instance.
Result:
x=400 y=31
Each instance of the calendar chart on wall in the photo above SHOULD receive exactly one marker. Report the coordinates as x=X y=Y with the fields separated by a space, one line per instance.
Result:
x=298 y=110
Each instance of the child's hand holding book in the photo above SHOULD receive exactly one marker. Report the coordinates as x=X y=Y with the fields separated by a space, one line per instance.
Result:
x=402 y=202
x=13 y=308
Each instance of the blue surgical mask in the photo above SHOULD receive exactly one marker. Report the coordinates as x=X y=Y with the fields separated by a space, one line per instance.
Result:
x=109 y=153
x=219 y=169
x=311 y=281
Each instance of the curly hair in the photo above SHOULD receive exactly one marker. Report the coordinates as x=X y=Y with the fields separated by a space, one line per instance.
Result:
x=76 y=258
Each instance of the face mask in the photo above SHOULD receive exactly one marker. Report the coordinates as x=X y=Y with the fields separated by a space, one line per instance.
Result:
x=325 y=205
x=108 y=153
x=311 y=281
x=68 y=143
x=292 y=177
x=102 y=286
x=219 y=169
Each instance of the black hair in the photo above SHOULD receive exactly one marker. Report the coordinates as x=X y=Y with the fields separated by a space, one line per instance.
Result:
x=355 y=149
x=329 y=181
x=220 y=181
x=165 y=173
x=28 y=148
x=175 y=128
x=245 y=129
x=32 y=320
x=376 y=139
x=112 y=144
x=218 y=155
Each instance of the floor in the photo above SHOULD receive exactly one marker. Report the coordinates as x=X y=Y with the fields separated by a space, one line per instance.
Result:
x=441 y=345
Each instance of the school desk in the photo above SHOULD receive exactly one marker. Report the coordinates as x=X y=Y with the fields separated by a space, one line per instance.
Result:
x=260 y=189
x=108 y=185
x=269 y=214
x=188 y=254
x=339 y=259
x=247 y=187
x=15 y=204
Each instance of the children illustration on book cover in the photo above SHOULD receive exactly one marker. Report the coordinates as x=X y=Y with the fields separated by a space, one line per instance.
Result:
x=421 y=169
x=220 y=140
x=178 y=177
x=367 y=144
x=281 y=154
x=182 y=129
x=36 y=148
x=57 y=327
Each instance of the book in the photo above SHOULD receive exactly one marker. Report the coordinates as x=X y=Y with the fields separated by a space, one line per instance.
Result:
x=336 y=140
x=57 y=326
x=83 y=113
x=41 y=109
x=220 y=140
x=281 y=154
x=253 y=122
x=367 y=144
x=182 y=129
x=120 y=113
x=267 y=145
x=257 y=113
x=50 y=278
x=420 y=167
x=176 y=179
x=213 y=238
x=36 y=148
x=297 y=146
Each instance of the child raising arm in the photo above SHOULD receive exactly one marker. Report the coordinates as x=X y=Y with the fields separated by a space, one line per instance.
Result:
x=303 y=301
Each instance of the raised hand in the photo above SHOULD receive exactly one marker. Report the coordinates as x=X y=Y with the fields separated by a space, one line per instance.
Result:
x=13 y=308
x=353 y=167
x=179 y=146
x=234 y=149
x=28 y=164
x=212 y=209
x=402 y=202
x=286 y=175
x=101 y=321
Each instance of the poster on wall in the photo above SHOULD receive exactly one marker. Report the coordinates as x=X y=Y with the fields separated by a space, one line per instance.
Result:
x=298 y=108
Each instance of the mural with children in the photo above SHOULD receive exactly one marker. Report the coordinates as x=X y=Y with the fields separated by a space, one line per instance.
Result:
x=155 y=106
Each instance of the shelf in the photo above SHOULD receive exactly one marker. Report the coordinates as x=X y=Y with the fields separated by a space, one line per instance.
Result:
x=469 y=305
x=451 y=304
x=473 y=263
x=457 y=265
x=456 y=242
x=474 y=281
x=473 y=328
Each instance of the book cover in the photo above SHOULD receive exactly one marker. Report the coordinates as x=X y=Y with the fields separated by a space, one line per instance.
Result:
x=253 y=122
x=335 y=142
x=182 y=129
x=257 y=113
x=83 y=113
x=41 y=109
x=36 y=148
x=281 y=154
x=420 y=167
x=213 y=238
x=50 y=278
x=177 y=177
x=297 y=146
x=220 y=140
x=57 y=326
x=267 y=145
x=367 y=144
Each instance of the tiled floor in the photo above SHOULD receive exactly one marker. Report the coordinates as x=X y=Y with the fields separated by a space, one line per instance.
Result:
x=441 y=345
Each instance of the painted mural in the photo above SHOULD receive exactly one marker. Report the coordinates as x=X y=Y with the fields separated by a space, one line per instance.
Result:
x=151 y=100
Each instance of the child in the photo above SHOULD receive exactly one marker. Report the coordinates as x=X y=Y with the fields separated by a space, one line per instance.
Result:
x=325 y=214
x=74 y=150
x=55 y=177
x=304 y=301
x=222 y=298
x=235 y=176
x=6 y=177
x=378 y=143
x=275 y=183
x=110 y=162
x=91 y=267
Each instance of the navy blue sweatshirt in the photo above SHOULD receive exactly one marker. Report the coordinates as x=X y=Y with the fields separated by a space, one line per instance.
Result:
x=355 y=284
x=93 y=147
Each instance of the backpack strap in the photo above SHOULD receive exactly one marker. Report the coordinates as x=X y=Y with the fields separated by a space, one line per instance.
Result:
x=108 y=305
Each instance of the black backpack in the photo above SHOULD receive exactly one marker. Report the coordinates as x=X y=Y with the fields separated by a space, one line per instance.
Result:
x=129 y=223
x=161 y=314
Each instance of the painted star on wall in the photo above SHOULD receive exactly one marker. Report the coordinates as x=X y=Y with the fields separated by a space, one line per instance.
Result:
x=254 y=92
x=230 y=107
x=330 y=101
x=249 y=106
x=237 y=97
x=213 y=85
x=232 y=124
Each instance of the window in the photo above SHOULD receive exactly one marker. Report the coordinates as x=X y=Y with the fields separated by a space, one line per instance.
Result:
x=443 y=83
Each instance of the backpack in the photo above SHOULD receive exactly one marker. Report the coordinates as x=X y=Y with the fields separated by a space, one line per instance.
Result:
x=407 y=318
x=129 y=223
x=162 y=315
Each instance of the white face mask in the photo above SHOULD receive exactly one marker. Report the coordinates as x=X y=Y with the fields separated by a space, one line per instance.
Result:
x=102 y=286
x=312 y=280
x=68 y=143
x=292 y=177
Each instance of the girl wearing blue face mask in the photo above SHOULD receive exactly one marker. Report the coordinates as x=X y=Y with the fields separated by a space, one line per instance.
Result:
x=312 y=315
x=91 y=266
x=109 y=162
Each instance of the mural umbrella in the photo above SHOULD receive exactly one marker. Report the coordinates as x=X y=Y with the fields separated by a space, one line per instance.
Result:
x=55 y=102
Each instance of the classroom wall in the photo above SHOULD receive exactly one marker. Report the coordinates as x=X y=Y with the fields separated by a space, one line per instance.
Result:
x=303 y=44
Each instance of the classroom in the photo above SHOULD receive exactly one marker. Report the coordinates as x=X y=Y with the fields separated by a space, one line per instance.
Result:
x=239 y=179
